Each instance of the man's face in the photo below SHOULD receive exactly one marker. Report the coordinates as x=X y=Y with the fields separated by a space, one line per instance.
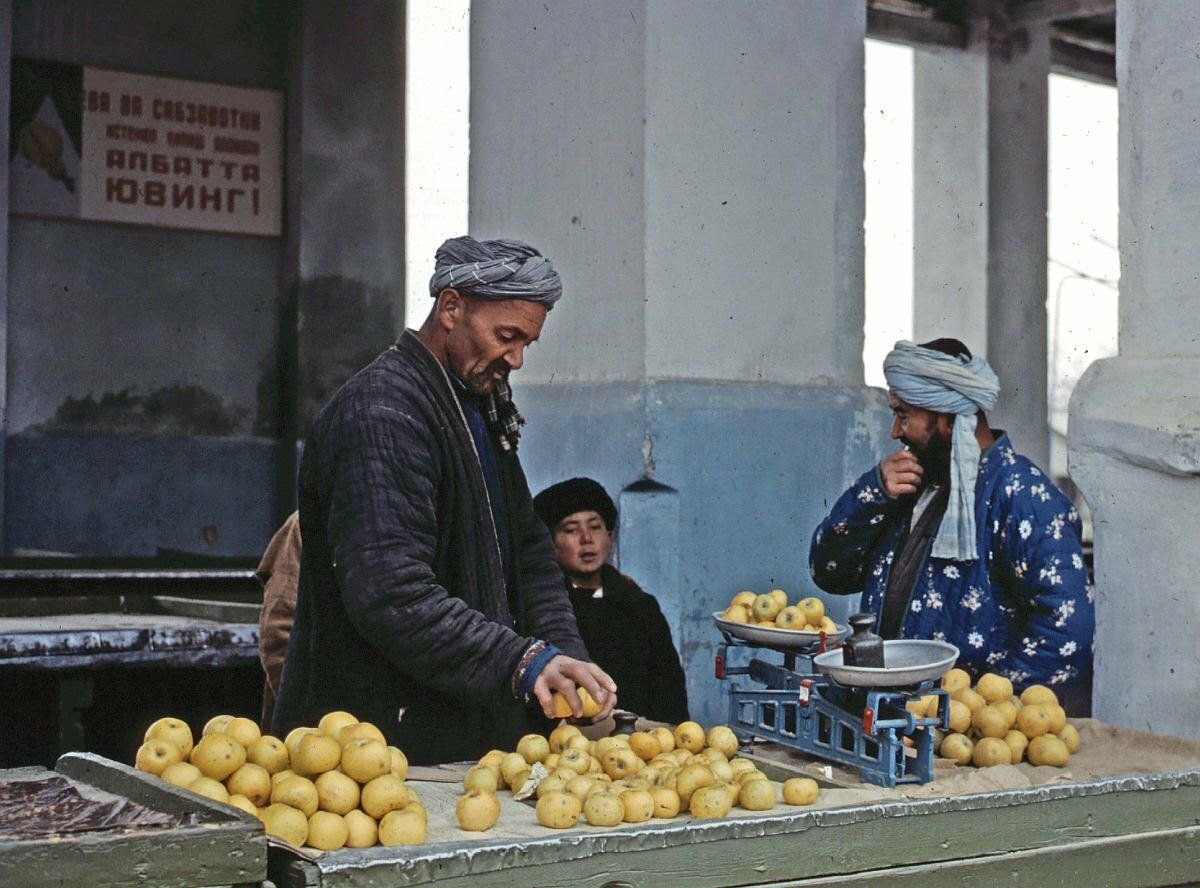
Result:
x=486 y=339
x=925 y=433
x=582 y=544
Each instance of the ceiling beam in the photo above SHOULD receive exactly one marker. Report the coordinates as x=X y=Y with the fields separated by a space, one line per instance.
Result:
x=899 y=21
x=1058 y=10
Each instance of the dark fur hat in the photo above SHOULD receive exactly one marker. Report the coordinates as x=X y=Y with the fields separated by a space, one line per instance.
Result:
x=565 y=498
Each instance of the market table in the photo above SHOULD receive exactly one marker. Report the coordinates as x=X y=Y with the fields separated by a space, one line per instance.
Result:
x=1125 y=812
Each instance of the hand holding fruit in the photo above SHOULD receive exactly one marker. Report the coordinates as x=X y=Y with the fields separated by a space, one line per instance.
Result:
x=563 y=674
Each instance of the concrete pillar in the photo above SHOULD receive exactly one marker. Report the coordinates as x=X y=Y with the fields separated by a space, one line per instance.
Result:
x=695 y=172
x=1017 y=97
x=1135 y=419
x=950 y=189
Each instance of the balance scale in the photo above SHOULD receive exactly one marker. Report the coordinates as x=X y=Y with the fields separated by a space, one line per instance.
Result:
x=851 y=715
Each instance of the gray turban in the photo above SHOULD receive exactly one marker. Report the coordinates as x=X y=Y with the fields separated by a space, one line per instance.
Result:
x=495 y=269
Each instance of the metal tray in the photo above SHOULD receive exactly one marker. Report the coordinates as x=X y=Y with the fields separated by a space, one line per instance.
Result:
x=908 y=661
x=778 y=639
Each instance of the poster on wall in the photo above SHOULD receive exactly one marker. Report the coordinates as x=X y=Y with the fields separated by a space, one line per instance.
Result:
x=111 y=146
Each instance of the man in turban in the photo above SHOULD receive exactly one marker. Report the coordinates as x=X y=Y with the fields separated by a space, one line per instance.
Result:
x=429 y=600
x=958 y=537
x=622 y=626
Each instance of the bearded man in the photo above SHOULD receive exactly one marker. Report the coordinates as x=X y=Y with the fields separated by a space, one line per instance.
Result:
x=429 y=599
x=960 y=538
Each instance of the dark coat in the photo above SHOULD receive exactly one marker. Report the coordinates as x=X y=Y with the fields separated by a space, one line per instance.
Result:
x=629 y=638
x=402 y=616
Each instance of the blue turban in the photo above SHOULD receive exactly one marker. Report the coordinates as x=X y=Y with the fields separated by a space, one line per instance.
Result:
x=495 y=269
x=948 y=384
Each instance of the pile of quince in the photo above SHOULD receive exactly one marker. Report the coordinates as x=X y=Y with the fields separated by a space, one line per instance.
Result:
x=990 y=725
x=625 y=778
x=772 y=609
x=333 y=786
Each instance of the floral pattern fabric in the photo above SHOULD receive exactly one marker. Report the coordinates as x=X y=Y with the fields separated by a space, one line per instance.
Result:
x=1024 y=609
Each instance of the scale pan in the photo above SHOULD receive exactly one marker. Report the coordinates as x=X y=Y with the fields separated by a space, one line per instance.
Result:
x=909 y=661
x=778 y=639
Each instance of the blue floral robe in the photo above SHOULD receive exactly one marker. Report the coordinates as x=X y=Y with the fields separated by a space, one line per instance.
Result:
x=1023 y=610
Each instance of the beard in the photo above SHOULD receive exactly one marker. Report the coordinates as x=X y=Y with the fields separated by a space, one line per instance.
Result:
x=934 y=457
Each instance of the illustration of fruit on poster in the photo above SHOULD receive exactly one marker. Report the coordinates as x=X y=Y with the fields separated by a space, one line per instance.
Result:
x=113 y=146
x=45 y=139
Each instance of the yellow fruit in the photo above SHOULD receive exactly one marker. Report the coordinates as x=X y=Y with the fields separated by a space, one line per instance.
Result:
x=492 y=760
x=383 y=794
x=296 y=792
x=1016 y=744
x=315 y=754
x=666 y=801
x=399 y=762
x=556 y=782
x=404 y=827
x=477 y=810
x=691 y=778
x=1035 y=694
x=210 y=788
x=709 y=802
x=828 y=626
x=690 y=736
x=336 y=793
x=757 y=795
x=268 y=752
x=737 y=613
x=251 y=781
x=990 y=721
x=243 y=804
x=955 y=680
x=1009 y=708
x=814 y=610
x=517 y=781
x=620 y=762
x=722 y=738
x=533 y=747
x=800 y=791
x=360 y=729
x=562 y=709
x=218 y=755
x=286 y=823
x=243 y=730
x=745 y=597
x=579 y=785
x=512 y=764
x=174 y=729
x=181 y=773
x=638 y=804
x=791 y=617
x=331 y=723
x=722 y=771
x=480 y=777
x=994 y=688
x=574 y=759
x=1058 y=717
x=1070 y=737
x=281 y=775
x=644 y=745
x=780 y=596
x=327 y=831
x=956 y=747
x=603 y=809
x=1048 y=750
x=972 y=700
x=1033 y=720
x=558 y=810
x=216 y=724
x=155 y=756
x=364 y=759
x=362 y=831
x=991 y=751
x=294 y=736
x=766 y=608
x=918 y=705
x=960 y=717
x=559 y=736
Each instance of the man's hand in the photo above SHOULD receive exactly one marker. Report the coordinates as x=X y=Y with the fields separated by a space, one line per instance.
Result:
x=562 y=674
x=901 y=473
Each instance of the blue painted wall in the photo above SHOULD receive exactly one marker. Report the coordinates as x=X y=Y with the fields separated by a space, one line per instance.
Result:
x=751 y=468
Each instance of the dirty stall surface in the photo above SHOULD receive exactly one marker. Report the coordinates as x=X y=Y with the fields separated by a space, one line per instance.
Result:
x=1122 y=813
